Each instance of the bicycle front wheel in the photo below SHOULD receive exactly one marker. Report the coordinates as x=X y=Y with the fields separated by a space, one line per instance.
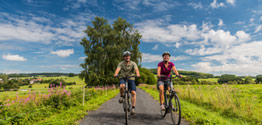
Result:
x=175 y=110
x=126 y=107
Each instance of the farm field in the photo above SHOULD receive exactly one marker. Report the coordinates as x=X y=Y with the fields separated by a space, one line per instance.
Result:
x=209 y=79
x=219 y=104
x=42 y=88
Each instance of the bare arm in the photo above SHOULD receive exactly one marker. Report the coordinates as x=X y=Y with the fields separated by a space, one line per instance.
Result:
x=137 y=72
x=175 y=71
x=158 y=71
x=117 y=71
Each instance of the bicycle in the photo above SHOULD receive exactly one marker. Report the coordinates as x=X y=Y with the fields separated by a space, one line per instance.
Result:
x=174 y=110
x=126 y=103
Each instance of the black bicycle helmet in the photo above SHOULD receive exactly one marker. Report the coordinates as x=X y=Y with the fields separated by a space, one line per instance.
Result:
x=127 y=53
x=166 y=53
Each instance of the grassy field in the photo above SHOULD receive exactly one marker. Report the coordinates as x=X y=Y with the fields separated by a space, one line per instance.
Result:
x=209 y=79
x=42 y=88
x=219 y=104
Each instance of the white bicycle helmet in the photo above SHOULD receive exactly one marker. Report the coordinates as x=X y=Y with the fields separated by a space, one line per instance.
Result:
x=166 y=53
x=127 y=53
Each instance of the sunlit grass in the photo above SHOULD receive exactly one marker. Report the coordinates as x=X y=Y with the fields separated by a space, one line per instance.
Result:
x=232 y=102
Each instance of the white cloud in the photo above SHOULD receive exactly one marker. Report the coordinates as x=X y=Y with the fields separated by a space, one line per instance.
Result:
x=220 y=23
x=133 y=5
x=260 y=19
x=63 y=53
x=242 y=36
x=203 y=51
x=13 y=57
x=147 y=57
x=258 y=28
x=155 y=47
x=251 y=20
x=82 y=58
x=152 y=31
x=177 y=44
x=232 y=2
x=214 y=4
x=244 y=59
x=196 y=5
x=26 y=31
x=39 y=29
x=218 y=41
x=10 y=47
x=240 y=23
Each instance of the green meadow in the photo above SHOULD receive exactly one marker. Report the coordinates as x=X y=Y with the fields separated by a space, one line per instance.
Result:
x=42 y=88
x=218 y=104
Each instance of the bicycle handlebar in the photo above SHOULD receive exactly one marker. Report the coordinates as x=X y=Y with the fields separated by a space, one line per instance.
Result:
x=164 y=76
x=127 y=77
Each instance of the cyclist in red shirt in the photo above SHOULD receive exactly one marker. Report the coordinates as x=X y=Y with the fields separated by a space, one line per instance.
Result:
x=164 y=68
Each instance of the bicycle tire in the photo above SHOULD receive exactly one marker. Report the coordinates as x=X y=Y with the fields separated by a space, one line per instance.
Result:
x=126 y=107
x=175 y=109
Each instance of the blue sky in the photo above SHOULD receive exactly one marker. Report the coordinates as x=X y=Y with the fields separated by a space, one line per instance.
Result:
x=212 y=36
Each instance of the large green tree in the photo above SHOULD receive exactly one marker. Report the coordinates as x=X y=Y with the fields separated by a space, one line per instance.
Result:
x=104 y=47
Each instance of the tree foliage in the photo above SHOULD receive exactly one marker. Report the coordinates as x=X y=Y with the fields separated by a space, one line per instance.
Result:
x=259 y=79
x=146 y=77
x=228 y=78
x=104 y=48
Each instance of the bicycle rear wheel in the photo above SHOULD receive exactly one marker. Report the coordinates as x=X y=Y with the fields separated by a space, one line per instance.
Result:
x=175 y=109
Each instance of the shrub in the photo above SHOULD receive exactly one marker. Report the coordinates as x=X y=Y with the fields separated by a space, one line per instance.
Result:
x=259 y=79
x=143 y=78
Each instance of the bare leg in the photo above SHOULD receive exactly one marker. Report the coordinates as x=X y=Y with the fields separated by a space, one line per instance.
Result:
x=122 y=89
x=161 y=93
x=133 y=99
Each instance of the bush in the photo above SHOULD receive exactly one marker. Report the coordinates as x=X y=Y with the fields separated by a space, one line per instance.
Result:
x=11 y=85
x=186 y=81
x=205 y=82
x=248 y=80
x=227 y=77
x=146 y=77
x=57 y=83
x=143 y=78
x=259 y=79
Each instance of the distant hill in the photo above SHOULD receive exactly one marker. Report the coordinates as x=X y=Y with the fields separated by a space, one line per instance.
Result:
x=40 y=74
x=190 y=73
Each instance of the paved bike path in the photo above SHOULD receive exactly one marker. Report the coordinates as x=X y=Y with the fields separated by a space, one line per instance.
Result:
x=111 y=113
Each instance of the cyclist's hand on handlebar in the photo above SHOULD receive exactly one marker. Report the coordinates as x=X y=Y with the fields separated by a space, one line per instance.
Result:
x=180 y=76
x=138 y=75
x=158 y=76
x=115 y=75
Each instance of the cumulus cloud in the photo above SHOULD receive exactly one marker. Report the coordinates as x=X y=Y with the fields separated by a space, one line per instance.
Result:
x=196 y=5
x=218 y=41
x=37 y=29
x=147 y=57
x=155 y=47
x=10 y=57
x=26 y=31
x=243 y=59
x=152 y=30
x=63 y=53
x=214 y=4
x=220 y=23
x=232 y=2
x=156 y=5
x=258 y=28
